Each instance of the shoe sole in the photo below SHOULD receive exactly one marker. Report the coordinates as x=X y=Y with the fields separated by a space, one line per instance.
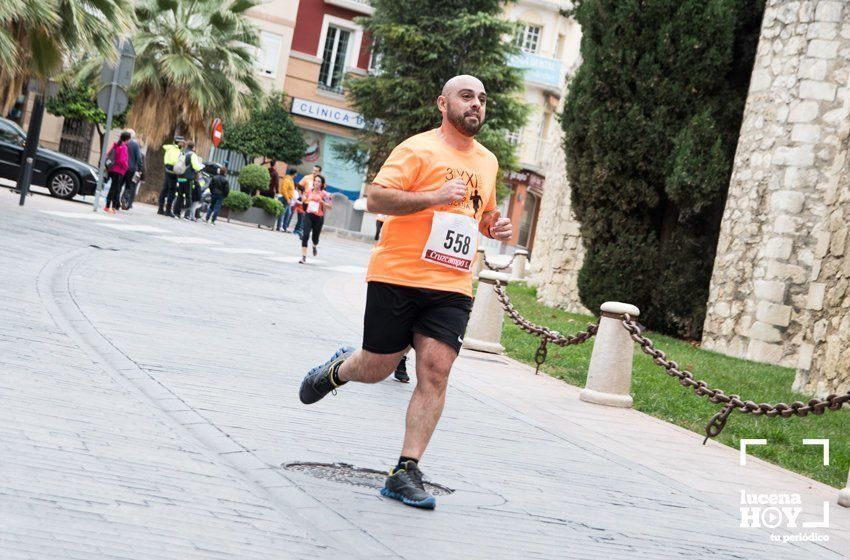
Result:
x=402 y=380
x=427 y=503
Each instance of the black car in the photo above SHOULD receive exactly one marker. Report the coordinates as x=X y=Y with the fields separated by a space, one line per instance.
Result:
x=64 y=176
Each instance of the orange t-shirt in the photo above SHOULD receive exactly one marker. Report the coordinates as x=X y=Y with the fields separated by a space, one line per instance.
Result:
x=424 y=163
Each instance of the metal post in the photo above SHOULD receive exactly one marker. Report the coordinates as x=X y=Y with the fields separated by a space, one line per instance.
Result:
x=31 y=148
x=113 y=87
x=25 y=180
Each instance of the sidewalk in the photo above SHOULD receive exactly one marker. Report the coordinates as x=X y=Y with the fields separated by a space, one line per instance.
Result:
x=149 y=392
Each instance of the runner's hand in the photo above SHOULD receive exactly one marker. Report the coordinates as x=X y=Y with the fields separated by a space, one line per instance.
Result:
x=500 y=228
x=451 y=191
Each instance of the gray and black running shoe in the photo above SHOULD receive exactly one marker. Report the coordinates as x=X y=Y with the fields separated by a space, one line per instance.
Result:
x=405 y=484
x=318 y=382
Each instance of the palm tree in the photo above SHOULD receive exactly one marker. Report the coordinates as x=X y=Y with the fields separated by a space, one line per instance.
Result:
x=38 y=36
x=194 y=61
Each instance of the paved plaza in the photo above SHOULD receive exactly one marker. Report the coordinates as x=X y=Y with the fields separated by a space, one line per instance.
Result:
x=149 y=371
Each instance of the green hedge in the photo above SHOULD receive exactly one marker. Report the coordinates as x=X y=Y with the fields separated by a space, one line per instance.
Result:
x=268 y=204
x=237 y=201
x=254 y=177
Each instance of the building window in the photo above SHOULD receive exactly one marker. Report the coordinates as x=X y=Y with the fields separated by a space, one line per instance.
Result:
x=528 y=38
x=513 y=137
x=268 y=53
x=333 y=59
x=375 y=59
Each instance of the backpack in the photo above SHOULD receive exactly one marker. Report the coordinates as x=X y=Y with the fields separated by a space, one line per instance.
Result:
x=181 y=165
x=110 y=157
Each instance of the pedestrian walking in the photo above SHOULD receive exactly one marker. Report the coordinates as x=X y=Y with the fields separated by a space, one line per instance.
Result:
x=419 y=277
x=135 y=169
x=219 y=189
x=117 y=169
x=287 y=191
x=171 y=156
x=317 y=202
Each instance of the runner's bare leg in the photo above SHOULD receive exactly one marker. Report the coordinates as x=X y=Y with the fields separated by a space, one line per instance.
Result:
x=368 y=367
x=434 y=361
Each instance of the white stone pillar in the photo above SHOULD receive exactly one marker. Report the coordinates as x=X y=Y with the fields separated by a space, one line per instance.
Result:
x=609 y=376
x=844 y=495
x=478 y=265
x=520 y=264
x=484 y=332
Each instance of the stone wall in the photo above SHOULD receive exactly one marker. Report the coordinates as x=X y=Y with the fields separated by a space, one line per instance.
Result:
x=781 y=247
x=558 y=252
x=824 y=355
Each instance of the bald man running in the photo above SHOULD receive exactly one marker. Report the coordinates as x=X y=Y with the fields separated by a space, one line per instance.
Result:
x=419 y=278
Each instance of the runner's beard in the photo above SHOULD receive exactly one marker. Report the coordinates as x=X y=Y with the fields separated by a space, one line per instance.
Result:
x=464 y=125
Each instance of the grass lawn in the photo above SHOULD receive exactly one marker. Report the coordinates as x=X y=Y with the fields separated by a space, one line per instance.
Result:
x=660 y=395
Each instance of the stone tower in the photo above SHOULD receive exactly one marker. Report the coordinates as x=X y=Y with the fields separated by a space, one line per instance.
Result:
x=558 y=252
x=779 y=286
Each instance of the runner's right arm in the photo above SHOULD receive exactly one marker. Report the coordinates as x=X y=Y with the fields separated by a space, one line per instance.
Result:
x=395 y=202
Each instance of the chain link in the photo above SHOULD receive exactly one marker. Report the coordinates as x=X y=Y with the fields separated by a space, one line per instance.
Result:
x=497 y=268
x=546 y=334
x=731 y=402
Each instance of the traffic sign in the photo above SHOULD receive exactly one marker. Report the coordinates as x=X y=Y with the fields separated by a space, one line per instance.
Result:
x=126 y=64
x=217 y=130
x=121 y=99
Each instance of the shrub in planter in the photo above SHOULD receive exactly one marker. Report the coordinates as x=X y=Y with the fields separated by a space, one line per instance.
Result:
x=268 y=204
x=237 y=202
x=254 y=177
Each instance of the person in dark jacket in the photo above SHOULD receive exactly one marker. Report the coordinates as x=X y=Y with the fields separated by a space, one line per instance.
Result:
x=135 y=165
x=219 y=189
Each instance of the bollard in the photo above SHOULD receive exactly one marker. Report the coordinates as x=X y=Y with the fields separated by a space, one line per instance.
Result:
x=609 y=376
x=479 y=263
x=484 y=332
x=520 y=264
x=844 y=495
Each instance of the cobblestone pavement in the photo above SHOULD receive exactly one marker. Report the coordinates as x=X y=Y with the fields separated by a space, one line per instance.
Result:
x=149 y=371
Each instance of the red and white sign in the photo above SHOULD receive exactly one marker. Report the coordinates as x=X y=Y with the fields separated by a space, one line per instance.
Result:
x=217 y=130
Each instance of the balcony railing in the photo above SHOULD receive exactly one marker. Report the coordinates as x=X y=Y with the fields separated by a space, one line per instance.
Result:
x=332 y=89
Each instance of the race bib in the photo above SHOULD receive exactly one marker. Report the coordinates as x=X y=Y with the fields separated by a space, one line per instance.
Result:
x=312 y=207
x=453 y=241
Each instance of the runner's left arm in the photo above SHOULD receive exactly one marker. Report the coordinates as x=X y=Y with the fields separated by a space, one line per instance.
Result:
x=492 y=225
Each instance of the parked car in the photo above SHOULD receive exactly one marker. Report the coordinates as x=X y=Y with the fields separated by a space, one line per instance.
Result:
x=64 y=176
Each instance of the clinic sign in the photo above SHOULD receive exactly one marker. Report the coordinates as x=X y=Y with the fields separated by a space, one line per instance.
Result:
x=327 y=113
x=539 y=69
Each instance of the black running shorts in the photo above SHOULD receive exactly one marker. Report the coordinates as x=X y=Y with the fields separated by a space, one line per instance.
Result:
x=394 y=313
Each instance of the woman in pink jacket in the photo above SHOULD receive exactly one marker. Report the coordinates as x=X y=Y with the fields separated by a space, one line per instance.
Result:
x=120 y=163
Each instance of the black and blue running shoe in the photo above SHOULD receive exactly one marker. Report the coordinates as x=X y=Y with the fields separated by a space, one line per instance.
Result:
x=405 y=484
x=318 y=382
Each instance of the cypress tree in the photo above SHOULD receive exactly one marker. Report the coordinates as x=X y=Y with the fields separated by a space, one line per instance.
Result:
x=419 y=45
x=651 y=125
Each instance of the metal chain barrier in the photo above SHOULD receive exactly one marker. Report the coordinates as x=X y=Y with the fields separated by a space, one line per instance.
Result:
x=546 y=334
x=497 y=268
x=731 y=402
